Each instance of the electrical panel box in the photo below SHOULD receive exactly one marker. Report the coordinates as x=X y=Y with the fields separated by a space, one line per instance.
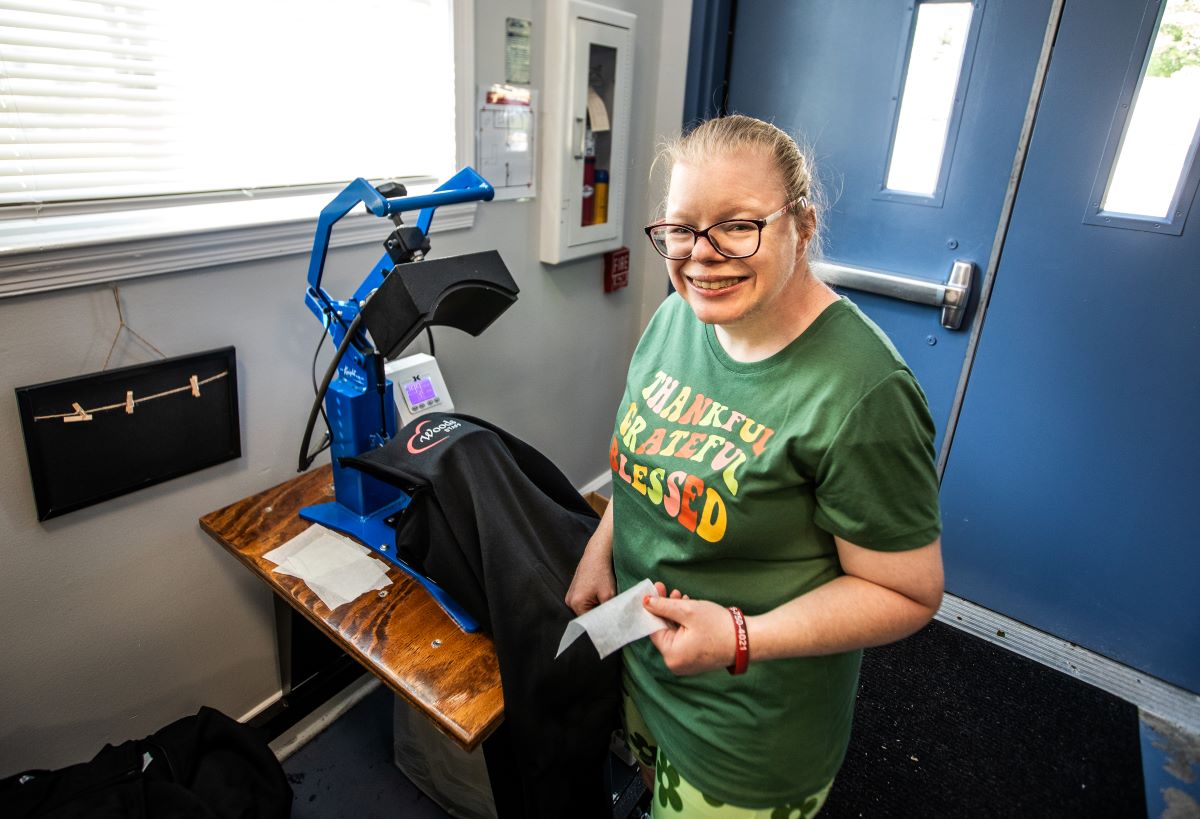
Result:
x=588 y=105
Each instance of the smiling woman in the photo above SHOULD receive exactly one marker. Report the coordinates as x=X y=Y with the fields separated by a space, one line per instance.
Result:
x=783 y=536
x=750 y=275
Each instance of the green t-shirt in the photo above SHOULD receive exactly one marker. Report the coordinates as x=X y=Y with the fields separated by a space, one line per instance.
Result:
x=729 y=482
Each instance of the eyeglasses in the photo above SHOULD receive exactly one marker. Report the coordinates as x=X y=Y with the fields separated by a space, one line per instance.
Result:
x=733 y=238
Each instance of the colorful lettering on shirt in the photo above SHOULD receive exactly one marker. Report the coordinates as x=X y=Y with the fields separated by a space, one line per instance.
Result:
x=692 y=419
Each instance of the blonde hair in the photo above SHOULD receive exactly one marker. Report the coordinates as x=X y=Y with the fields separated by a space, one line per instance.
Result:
x=734 y=133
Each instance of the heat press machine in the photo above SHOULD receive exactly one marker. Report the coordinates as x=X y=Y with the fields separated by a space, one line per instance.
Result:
x=404 y=293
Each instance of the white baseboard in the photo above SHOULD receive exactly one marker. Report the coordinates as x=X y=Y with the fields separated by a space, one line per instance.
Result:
x=262 y=706
x=602 y=483
x=299 y=734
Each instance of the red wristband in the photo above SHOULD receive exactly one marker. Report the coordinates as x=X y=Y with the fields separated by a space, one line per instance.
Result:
x=741 y=656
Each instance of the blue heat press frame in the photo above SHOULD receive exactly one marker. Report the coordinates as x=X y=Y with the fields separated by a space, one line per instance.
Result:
x=360 y=404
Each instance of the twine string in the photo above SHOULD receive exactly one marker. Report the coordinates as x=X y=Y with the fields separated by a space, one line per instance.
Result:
x=123 y=404
x=121 y=325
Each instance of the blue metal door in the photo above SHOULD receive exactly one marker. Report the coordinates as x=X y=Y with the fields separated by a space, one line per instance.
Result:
x=831 y=73
x=1071 y=483
x=1073 y=457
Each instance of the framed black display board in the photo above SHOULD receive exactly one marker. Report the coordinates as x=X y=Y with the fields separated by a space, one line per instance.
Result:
x=105 y=434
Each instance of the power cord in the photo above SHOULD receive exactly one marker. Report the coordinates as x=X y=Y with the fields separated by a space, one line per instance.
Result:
x=307 y=458
x=328 y=439
x=318 y=408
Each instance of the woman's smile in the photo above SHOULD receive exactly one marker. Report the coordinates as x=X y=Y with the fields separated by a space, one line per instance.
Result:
x=711 y=285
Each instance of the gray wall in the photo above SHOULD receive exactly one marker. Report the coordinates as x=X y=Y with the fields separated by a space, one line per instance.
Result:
x=122 y=617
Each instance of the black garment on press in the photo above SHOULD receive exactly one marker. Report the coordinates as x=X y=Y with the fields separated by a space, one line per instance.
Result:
x=498 y=526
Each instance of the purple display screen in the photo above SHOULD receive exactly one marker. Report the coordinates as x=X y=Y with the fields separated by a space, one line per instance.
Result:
x=418 y=391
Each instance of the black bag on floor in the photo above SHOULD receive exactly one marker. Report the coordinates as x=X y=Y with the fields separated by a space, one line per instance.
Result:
x=206 y=765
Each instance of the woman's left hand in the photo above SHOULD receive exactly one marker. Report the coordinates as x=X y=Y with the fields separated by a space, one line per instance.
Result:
x=700 y=637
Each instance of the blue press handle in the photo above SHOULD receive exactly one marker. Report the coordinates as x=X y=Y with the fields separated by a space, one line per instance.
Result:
x=456 y=612
x=464 y=186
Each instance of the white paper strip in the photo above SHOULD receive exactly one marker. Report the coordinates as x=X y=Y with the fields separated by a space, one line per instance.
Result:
x=616 y=623
x=336 y=568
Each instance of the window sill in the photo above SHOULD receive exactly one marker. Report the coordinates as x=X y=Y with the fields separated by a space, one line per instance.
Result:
x=58 y=252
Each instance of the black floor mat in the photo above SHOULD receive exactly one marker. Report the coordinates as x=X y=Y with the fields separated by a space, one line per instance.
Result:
x=949 y=725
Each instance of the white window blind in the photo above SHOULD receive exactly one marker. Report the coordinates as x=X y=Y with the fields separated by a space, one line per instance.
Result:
x=108 y=101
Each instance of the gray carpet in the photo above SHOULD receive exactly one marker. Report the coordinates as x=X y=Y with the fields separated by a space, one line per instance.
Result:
x=347 y=770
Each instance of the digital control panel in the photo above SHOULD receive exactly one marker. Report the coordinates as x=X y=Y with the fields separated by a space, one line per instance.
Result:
x=420 y=393
x=419 y=386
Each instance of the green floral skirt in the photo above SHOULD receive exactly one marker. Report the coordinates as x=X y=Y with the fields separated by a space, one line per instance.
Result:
x=676 y=797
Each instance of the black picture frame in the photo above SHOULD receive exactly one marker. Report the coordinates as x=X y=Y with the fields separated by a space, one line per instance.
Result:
x=171 y=431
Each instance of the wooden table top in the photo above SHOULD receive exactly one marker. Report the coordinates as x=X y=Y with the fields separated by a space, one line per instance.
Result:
x=404 y=637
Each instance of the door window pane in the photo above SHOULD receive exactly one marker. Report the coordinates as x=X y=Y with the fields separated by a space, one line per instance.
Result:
x=927 y=100
x=1161 y=132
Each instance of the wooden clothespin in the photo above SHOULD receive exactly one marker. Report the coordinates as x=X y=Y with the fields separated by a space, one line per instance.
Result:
x=80 y=414
x=129 y=402
x=195 y=382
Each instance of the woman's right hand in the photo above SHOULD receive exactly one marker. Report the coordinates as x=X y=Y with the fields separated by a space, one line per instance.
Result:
x=594 y=582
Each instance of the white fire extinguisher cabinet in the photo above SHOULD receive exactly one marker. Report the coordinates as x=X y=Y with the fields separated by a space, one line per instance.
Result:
x=585 y=140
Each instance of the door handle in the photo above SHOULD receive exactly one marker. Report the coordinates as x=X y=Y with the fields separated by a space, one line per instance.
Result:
x=580 y=138
x=951 y=295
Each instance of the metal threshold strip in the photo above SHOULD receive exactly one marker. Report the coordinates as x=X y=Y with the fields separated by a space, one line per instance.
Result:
x=1152 y=696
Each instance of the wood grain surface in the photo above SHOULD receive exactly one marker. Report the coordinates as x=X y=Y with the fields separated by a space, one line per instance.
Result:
x=403 y=637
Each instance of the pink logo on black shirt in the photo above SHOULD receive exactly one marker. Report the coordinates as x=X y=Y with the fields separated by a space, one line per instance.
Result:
x=426 y=439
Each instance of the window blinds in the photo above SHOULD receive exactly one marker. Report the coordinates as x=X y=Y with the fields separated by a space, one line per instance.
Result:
x=135 y=98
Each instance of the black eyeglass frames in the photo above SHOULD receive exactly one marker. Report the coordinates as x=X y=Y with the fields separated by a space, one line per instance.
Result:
x=732 y=238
